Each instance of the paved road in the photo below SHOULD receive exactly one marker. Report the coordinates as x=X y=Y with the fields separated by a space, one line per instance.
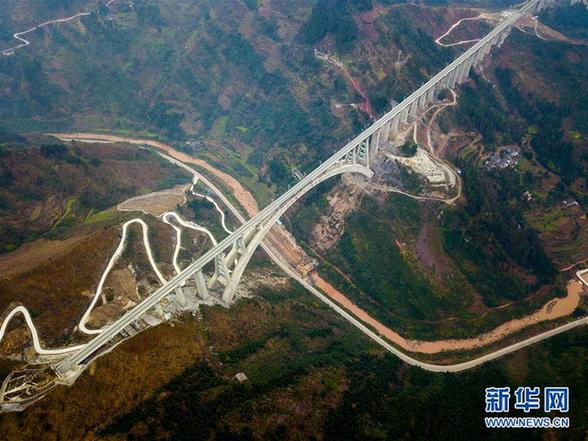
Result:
x=24 y=42
x=82 y=324
x=113 y=259
x=36 y=343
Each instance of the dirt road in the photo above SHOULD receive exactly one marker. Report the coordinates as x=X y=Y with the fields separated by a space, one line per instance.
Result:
x=244 y=197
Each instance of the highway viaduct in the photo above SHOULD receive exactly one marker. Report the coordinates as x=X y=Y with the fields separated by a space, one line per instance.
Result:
x=229 y=258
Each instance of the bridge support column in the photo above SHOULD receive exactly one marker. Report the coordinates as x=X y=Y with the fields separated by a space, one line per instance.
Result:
x=404 y=116
x=430 y=94
x=413 y=109
x=180 y=296
x=486 y=49
x=469 y=65
x=221 y=273
x=423 y=101
x=503 y=36
x=394 y=124
x=461 y=72
x=445 y=83
x=376 y=144
x=477 y=57
x=452 y=76
x=201 y=286
x=386 y=133
x=363 y=153
x=465 y=70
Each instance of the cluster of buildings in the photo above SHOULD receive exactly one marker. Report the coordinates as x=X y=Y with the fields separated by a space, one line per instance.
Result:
x=504 y=157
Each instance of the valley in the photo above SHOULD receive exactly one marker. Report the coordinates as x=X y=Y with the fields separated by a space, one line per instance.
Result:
x=193 y=209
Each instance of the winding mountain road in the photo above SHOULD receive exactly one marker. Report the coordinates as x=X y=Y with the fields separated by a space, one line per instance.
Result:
x=112 y=261
x=24 y=42
x=117 y=253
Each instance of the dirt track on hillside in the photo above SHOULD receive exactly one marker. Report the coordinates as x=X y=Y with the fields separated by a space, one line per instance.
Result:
x=245 y=198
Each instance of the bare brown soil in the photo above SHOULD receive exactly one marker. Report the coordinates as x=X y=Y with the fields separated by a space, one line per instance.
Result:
x=156 y=203
x=36 y=253
x=329 y=229
x=429 y=251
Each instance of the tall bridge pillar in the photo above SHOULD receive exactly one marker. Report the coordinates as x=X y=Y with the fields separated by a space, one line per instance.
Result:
x=422 y=101
x=404 y=116
x=394 y=123
x=376 y=144
x=413 y=109
x=180 y=296
x=201 y=285
x=452 y=76
x=387 y=132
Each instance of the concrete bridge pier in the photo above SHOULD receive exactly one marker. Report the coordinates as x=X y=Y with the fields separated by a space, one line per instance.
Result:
x=502 y=36
x=423 y=101
x=486 y=50
x=413 y=110
x=201 y=288
x=477 y=58
x=221 y=272
x=387 y=132
x=464 y=71
x=394 y=125
x=453 y=77
x=376 y=137
x=404 y=116
x=180 y=296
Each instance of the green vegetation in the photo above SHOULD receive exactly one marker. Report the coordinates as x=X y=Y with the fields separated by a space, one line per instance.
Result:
x=332 y=17
x=426 y=58
x=409 y=148
x=480 y=110
x=549 y=143
x=571 y=20
x=48 y=187
x=323 y=377
x=491 y=231
x=99 y=217
x=384 y=277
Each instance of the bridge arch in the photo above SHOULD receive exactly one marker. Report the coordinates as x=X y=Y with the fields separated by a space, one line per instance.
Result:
x=264 y=228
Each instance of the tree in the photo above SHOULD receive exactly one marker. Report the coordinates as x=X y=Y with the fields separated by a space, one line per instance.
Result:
x=409 y=148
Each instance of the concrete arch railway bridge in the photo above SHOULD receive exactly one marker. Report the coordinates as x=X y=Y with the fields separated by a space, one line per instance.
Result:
x=230 y=257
